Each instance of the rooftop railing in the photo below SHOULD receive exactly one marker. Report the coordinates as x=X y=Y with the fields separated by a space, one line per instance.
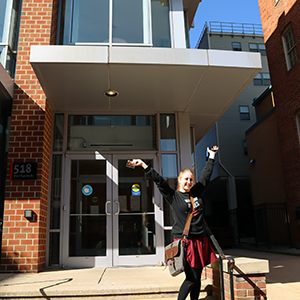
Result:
x=230 y=28
x=239 y=28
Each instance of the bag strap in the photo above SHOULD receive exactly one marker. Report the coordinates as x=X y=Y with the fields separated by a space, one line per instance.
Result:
x=188 y=219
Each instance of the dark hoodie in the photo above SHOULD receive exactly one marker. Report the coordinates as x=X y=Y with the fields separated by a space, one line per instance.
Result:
x=180 y=202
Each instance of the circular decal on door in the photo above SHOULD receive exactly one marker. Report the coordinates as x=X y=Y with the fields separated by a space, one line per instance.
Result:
x=87 y=190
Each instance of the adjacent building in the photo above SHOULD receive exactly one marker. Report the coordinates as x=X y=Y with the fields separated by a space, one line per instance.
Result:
x=95 y=84
x=273 y=142
x=230 y=188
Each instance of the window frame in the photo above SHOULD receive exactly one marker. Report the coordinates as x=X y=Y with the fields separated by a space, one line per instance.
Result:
x=10 y=34
x=289 y=50
x=265 y=80
x=236 y=48
x=244 y=115
x=258 y=48
x=67 y=23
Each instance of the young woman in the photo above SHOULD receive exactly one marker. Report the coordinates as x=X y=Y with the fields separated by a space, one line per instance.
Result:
x=199 y=250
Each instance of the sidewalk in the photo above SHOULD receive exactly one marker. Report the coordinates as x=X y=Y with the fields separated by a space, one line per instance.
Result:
x=95 y=282
x=283 y=281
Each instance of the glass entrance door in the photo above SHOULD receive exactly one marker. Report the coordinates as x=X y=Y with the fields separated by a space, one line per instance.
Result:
x=138 y=237
x=87 y=211
x=110 y=217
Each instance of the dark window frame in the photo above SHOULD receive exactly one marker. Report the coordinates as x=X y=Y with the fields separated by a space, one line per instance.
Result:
x=244 y=115
x=235 y=46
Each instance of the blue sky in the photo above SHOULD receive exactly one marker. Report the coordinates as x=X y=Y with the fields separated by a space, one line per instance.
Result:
x=235 y=11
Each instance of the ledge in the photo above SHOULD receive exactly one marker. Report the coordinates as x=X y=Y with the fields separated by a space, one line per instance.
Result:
x=245 y=265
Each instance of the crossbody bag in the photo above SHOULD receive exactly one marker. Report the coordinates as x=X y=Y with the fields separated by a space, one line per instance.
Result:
x=175 y=253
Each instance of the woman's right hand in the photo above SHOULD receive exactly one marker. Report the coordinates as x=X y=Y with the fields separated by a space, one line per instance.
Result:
x=136 y=162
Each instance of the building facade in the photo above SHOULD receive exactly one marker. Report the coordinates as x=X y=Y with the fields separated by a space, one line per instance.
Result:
x=97 y=83
x=231 y=187
x=280 y=22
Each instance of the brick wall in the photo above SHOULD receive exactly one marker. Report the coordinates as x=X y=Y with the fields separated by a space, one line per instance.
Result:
x=245 y=286
x=266 y=174
x=24 y=241
x=286 y=86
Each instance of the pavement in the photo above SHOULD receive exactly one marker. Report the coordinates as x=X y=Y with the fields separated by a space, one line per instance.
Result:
x=152 y=282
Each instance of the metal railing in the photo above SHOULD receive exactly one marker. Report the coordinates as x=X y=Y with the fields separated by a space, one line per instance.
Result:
x=239 y=28
x=230 y=28
x=222 y=256
x=265 y=226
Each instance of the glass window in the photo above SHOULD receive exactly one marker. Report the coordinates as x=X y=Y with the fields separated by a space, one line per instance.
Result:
x=169 y=166
x=262 y=79
x=10 y=12
x=160 y=23
x=187 y=34
x=90 y=21
x=266 y=79
x=131 y=21
x=244 y=112
x=111 y=132
x=253 y=47
x=54 y=208
x=170 y=173
x=290 y=48
x=137 y=211
x=3 y=22
x=58 y=132
x=1 y=56
x=87 y=235
x=262 y=49
x=54 y=249
x=258 y=47
x=258 y=79
x=236 y=46
x=56 y=192
x=65 y=24
x=167 y=133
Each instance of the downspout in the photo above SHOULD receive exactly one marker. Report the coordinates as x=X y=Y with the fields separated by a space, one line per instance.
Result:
x=231 y=191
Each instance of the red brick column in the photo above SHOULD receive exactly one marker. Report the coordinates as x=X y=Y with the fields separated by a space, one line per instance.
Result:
x=24 y=240
x=245 y=286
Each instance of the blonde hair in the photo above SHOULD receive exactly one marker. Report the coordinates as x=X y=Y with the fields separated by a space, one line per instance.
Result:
x=181 y=174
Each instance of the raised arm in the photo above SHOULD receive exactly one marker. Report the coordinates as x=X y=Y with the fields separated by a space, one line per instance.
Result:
x=204 y=178
x=162 y=185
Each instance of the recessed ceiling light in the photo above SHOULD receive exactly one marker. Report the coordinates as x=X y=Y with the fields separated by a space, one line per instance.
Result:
x=111 y=93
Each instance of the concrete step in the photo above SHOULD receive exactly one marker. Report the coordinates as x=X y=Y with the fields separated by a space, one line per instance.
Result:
x=151 y=283
x=153 y=296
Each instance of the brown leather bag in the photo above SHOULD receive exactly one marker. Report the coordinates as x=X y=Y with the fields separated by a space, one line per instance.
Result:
x=175 y=253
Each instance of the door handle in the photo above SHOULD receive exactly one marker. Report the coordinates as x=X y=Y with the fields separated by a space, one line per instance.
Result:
x=117 y=202
x=107 y=213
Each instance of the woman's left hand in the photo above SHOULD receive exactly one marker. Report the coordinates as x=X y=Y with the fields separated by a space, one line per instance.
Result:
x=212 y=151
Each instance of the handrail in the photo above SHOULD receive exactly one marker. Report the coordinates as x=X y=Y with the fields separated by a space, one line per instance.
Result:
x=222 y=256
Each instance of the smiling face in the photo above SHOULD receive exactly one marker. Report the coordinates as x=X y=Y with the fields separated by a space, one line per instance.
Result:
x=185 y=181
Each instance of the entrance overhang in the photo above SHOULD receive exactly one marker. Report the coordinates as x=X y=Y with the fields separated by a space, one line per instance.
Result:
x=6 y=86
x=203 y=83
